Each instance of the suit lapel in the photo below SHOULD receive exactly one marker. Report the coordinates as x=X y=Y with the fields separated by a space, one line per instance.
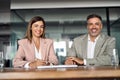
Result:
x=84 y=46
x=99 y=45
x=32 y=50
x=43 y=47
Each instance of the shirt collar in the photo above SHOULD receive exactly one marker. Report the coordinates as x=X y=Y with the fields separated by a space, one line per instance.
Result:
x=95 y=38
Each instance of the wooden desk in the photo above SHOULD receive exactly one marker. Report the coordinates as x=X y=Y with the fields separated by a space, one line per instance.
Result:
x=61 y=73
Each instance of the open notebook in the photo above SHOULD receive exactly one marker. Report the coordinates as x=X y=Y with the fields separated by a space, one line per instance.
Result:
x=58 y=66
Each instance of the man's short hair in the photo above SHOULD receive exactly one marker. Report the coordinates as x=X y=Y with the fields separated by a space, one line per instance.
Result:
x=93 y=16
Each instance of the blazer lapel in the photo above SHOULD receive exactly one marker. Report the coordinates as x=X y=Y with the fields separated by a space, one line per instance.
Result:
x=32 y=50
x=84 y=46
x=99 y=45
x=43 y=48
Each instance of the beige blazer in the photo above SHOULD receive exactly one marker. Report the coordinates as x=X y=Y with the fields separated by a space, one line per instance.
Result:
x=26 y=52
x=102 y=53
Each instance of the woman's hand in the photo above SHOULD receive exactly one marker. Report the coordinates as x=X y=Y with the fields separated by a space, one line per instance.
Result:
x=38 y=62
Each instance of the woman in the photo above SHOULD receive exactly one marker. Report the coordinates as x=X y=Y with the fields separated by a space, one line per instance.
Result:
x=35 y=50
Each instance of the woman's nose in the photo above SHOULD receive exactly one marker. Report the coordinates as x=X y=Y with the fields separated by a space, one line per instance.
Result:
x=39 y=28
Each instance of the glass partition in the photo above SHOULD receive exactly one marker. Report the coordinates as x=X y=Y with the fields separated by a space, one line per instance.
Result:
x=115 y=25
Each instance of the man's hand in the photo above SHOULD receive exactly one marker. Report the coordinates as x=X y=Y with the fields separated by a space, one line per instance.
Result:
x=68 y=61
x=74 y=60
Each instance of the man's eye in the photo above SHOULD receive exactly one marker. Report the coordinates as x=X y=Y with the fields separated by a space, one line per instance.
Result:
x=89 y=24
x=97 y=24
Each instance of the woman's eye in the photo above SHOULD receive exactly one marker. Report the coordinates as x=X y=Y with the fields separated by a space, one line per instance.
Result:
x=36 y=25
x=42 y=26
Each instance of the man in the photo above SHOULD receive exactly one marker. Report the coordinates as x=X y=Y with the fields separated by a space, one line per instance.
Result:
x=93 y=48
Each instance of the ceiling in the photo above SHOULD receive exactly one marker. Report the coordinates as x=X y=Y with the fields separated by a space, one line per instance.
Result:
x=38 y=4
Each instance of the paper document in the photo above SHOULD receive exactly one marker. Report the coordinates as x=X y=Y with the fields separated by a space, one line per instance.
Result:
x=57 y=66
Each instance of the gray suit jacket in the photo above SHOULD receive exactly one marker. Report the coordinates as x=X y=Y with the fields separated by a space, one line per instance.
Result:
x=102 y=52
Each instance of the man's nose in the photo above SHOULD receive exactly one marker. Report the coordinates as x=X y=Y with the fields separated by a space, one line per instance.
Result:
x=94 y=26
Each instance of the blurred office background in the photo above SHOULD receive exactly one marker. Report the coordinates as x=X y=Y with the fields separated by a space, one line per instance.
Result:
x=65 y=20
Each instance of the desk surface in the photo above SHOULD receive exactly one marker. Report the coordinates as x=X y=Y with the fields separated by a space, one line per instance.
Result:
x=61 y=73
